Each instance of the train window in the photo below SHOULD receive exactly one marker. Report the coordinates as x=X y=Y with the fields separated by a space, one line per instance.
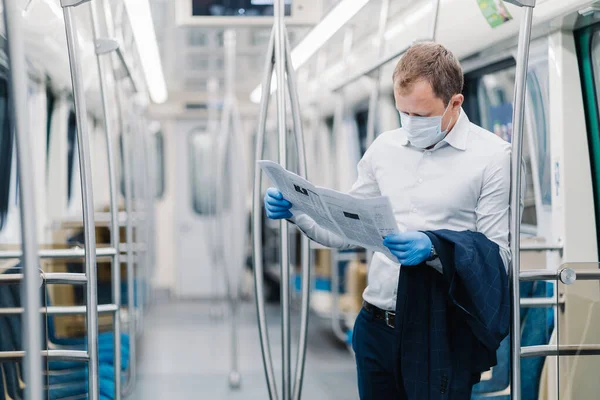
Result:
x=71 y=152
x=488 y=103
x=160 y=164
x=361 y=122
x=6 y=147
x=201 y=172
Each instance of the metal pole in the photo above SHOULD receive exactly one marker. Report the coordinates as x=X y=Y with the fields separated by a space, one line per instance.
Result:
x=216 y=311
x=284 y=228
x=114 y=221
x=132 y=325
x=128 y=239
x=515 y=201
x=305 y=244
x=436 y=14
x=374 y=98
x=87 y=196
x=140 y=201
x=129 y=221
x=30 y=291
x=234 y=376
x=230 y=128
x=257 y=218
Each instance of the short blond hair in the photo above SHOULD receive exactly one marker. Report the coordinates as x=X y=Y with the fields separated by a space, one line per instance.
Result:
x=432 y=63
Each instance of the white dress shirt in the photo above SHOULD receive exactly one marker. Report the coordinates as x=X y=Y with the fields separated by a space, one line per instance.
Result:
x=462 y=183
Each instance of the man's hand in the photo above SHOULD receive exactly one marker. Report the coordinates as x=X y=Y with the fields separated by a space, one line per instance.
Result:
x=410 y=248
x=276 y=206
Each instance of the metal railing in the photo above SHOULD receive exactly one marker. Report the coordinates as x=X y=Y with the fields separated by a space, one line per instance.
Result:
x=515 y=200
x=279 y=60
x=30 y=254
x=30 y=260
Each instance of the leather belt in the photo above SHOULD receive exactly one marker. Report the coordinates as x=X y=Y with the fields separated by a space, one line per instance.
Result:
x=378 y=313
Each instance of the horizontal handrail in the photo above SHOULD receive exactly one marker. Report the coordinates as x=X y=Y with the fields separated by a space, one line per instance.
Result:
x=66 y=278
x=565 y=275
x=54 y=278
x=561 y=350
x=540 y=302
x=63 y=355
x=61 y=310
x=59 y=253
x=540 y=247
x=136 y=248
x=588 y=275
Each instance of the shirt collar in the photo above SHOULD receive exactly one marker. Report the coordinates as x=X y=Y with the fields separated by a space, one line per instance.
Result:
x=456 y=138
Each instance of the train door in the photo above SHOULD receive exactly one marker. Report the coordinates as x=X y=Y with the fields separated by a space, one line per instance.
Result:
x=194 y=212
x=588 y=48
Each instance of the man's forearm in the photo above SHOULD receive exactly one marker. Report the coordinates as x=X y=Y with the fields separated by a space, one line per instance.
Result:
x=317 y=234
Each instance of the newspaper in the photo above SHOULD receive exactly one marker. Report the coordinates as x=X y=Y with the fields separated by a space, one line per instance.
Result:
x=362 y=222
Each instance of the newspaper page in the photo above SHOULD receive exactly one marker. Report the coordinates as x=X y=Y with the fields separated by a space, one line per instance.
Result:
x=363 y=222
x=301 y=193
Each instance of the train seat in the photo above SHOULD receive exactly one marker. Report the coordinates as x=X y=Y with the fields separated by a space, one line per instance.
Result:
x=63 y=379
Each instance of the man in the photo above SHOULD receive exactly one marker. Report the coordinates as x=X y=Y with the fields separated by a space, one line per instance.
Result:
x=440 y=171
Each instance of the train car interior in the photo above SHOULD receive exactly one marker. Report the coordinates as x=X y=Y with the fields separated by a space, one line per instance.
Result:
x=138 y=143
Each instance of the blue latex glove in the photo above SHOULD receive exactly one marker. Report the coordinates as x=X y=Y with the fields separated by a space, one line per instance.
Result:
x=276 y=206
x=410 y=248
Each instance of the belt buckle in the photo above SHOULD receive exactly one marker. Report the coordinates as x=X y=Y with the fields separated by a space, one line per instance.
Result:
x=387 y=319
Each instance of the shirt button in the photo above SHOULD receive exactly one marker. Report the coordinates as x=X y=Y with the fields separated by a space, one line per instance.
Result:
x=420 y=180
x=414 y=210
x=428 y=153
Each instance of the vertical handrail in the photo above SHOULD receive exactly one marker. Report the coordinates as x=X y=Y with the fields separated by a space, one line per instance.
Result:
x=131 y=327
x=112 y=188
x=142 y=227
x=305 y=243
x=436 y=15
x=147 y=168
x=234 y=376
x=86 y=193
x=515 y=200
x=229 y=141
x=257 y=217
x=280 y=69
x=338 y=123
x=30 y=291
x=374 y=97
x=132 y=323
x=216 y=312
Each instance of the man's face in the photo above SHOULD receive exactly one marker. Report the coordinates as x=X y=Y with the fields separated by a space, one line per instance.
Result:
x=421 y=101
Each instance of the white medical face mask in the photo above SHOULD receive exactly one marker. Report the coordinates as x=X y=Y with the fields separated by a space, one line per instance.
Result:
x=423 y=132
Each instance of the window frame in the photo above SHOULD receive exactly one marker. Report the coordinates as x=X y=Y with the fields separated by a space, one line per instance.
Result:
x=51 y=100
x=71 y=151
x=159 y=146
x=6 y=150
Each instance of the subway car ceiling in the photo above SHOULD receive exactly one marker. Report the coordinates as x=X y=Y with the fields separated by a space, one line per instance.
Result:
x=326 y=68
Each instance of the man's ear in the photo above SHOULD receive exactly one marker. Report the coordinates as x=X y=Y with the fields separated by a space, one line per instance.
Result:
x=457 y=101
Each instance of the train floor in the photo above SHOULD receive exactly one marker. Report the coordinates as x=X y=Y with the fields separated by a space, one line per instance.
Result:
x=186 y=355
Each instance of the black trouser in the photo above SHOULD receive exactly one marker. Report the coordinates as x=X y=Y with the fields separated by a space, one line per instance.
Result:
x=373 y=344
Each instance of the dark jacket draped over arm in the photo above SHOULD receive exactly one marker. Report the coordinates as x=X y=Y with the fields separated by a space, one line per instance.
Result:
x=448 y=327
